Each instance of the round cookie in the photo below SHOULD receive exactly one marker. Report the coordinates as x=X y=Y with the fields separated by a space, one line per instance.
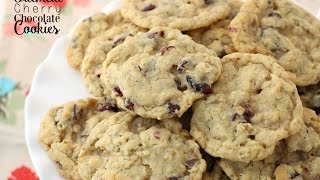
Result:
x=293 y=150
x=263 y=169
x=162 y=73
x=216 y=36
x=308 y=137
x=310 y=96
x=183 y=15
x=65 y=128
x=126 y=146
x=254 y=105
x=96 y=53
x=91 y=67
x=283 y=30
x=92 y=27
x=309 y=169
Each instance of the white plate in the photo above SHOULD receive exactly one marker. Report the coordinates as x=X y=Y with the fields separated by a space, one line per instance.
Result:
x=54 y=83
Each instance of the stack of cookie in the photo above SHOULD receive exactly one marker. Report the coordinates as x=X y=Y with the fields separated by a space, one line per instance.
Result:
x=192 y=89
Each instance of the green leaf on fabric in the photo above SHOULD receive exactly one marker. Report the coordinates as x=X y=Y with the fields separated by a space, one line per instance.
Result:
x=67 y=10
x=16 y=101
x=2 y=66
x=9 y=118
x=10 y=106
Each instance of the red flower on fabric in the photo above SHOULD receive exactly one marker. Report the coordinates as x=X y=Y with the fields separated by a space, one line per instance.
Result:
x=10 y=25
x=9 y=28
x=23 y=173
x=55 y=4
x=81 y=2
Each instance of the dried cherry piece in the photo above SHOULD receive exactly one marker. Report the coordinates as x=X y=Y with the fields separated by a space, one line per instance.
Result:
x=274 y=14
x=203 y=88
x=76 y=112
x=156 y=135
x=165 y=49
x=152 y=35
x=128 y=104
x=173 y=108
x=118 y=42
x=232 y=29
x=200 y=87
x=107 y=105
x=149 y=7
x=118 y=91
x=182 y=65
x=190 y=163
x=248 y=113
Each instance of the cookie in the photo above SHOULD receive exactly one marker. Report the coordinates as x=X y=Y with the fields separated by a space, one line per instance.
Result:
x=183 y=15
x=159 y=74
x=283 y=30
x=216 y=36
x=92 y=27
x=263 y=169
x=310 y=96
x=308 y=137
x=254 y=105
x=293 y=150
x=308 y=170
x=91 y=67
x=65 y=128
x=97 y=51
x=126 y=146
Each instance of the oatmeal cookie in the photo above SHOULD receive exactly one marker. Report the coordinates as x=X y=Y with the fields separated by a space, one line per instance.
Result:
x=162 y=73
x=92 y=27
x=216 y=36
x=183 y=15
x=65 y=128
x=126 y=146
x=254 y=105
x=283 y=30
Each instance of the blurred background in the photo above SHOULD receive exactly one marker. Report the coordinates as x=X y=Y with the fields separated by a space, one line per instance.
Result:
x=19 y=57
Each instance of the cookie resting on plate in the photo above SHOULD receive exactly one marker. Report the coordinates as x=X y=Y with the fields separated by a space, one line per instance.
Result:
x=304 y=170
x=179 y=14
x=254 y=105
x=283 y=30
x=113 y=25
x=294 y=150
x=159 y=74
x=126 y=146
x=65 y=128
x=216 y=36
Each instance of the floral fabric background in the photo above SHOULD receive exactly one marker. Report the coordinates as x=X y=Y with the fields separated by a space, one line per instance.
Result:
x=19 y=57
